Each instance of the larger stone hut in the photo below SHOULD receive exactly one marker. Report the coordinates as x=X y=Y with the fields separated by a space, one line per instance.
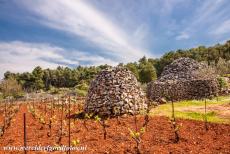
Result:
x=180 y=81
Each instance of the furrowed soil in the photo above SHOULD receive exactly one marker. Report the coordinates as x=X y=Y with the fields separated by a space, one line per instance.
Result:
x=158 y=138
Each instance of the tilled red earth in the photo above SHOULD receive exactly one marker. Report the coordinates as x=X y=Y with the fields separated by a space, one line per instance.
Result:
x=158 y=138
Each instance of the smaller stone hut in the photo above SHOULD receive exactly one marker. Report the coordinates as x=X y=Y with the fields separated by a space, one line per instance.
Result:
x=115 y=91
x=179 y=81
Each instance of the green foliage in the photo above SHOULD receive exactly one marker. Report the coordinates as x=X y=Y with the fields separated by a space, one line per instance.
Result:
x=133 y=67
x=82 y=89
x=223 y=66
x=53 y=90
x=75 y=142
x=1 y=96
x=42 y=120
x=147 y=72
x=10 y=87
x=37 y=78
x=222 y=83
x=32 y=111
x=201 y=53
x=20 y=94
x=182 y=110
x=145 y=69
x=61 y=77
x=81 y=93
x=97 y=118
x=136 y=134
x=82 y=86
x=88 y=116
x=226 y=75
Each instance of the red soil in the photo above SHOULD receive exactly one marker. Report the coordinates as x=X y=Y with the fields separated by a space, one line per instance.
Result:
x=158 y=138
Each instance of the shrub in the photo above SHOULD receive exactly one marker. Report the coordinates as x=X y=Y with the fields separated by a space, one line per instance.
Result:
x=82 y=86
x=10 y=87
x=1 y=96
x=222 y=83
x=81 y=89
x=53 y=90
x=81 y=93
x=226 y=75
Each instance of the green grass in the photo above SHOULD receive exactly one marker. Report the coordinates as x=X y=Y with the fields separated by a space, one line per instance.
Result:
x=182 y=106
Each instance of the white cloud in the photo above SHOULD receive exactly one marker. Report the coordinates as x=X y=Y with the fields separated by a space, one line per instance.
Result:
x=223 y=28
x=182 y=36
x=168 y=6
x=79 y=18
x=20 y=56
x=208 y=15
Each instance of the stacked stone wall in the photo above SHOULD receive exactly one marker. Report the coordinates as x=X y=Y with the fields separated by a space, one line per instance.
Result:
x=182 y=90
x=182 y=80
x=115 y=91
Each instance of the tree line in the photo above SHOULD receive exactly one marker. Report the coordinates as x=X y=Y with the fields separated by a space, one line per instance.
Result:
x=145 y=70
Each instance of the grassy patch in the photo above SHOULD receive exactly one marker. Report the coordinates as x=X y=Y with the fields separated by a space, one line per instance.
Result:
x=180 y=109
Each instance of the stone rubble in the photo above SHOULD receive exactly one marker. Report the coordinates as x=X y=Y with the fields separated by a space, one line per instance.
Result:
x=115 y=91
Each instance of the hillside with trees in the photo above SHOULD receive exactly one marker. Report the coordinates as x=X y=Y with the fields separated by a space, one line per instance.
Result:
x=146 y=69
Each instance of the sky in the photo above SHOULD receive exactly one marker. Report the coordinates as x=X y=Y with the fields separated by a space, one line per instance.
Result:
x=70 y=33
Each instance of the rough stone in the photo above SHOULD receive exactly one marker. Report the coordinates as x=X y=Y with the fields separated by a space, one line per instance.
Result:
x=179 y=81
x=113 y=92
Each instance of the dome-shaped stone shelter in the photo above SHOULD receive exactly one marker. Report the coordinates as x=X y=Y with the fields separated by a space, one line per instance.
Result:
x=115 y=91
x=181 y=80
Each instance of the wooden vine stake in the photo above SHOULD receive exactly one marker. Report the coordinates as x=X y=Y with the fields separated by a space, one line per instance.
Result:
x=5 y=115
x=61 y=115
x=33 y=104
x=69 y=123
x=24 y=119
x=50 y=119
x=60 y=131
x=45 y=105
x=205 y=115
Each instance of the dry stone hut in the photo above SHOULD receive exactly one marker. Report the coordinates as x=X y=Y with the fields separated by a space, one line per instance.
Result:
x=180 y=81
x=115 y=91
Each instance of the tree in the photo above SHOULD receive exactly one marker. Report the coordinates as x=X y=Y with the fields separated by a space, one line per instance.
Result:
x=147 y=73
x=9 y=75
x=47 y=79
x=223 y=67
x=133 y=67
x=145 y=69
x=143 y=60
x=37 y=76
x=10 y=87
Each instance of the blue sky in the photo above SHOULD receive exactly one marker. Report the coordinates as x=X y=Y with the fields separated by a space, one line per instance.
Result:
x=93 y=32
